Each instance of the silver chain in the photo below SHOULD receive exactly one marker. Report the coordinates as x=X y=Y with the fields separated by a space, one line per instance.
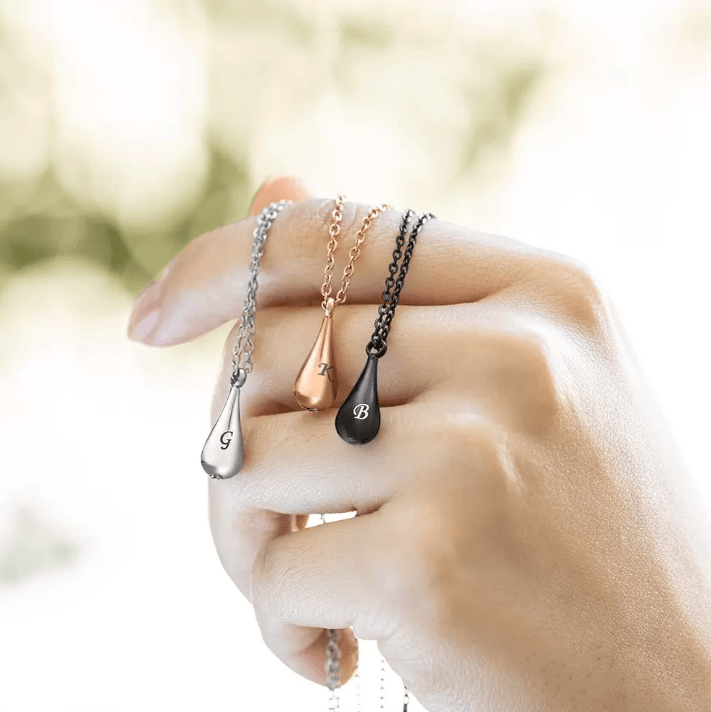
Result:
x=333 y=670
x=333 y=664
x=242 y=351
x=334 y=673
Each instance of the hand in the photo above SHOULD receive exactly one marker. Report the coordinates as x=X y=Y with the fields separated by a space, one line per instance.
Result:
x=526 y=537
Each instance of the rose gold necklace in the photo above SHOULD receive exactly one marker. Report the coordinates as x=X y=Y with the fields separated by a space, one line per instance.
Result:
x=316 y=385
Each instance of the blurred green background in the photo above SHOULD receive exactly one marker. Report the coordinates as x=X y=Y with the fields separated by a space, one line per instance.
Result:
x=82 y=121
x=128 y=127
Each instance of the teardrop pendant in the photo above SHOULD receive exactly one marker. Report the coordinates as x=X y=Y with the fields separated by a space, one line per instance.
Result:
x=223 y=454
x=358 y=419
x=317 y=383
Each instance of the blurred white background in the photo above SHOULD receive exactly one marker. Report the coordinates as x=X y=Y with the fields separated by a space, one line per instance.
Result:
x=127 y=127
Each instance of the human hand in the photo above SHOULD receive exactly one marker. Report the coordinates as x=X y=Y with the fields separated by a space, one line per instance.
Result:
x=526 y=537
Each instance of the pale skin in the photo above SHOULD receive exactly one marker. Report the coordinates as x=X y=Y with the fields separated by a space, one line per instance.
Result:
x=526 y=535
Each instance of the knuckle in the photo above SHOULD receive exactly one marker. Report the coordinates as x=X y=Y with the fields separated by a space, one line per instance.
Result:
x=274 y=577
x=259 y=583
x=309 y=222
x=419 y=573
x=486 y=443
x=527 y=375
x=316 y=215
x=531 y=350
x=312 y=220
x=353 y=214
x=577 y=291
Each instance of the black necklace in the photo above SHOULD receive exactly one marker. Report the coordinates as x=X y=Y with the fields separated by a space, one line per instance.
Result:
x=358 y=419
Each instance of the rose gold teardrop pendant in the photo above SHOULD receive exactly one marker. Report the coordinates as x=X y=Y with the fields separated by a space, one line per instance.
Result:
x=317 y=383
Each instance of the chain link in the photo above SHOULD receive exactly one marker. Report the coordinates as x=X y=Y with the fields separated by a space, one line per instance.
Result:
x=392 y=267
x=333 y=664
x=334 y=231
x=333 y=668
x=393 y=287
x=244 y=345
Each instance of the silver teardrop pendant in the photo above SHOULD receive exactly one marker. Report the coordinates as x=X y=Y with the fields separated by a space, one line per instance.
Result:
x=358 y=419
x=223 y=454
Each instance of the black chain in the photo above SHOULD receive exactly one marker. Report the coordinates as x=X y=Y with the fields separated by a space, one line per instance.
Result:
x=377 y=346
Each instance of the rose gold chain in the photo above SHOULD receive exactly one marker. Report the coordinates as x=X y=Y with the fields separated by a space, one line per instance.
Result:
x=334 y=231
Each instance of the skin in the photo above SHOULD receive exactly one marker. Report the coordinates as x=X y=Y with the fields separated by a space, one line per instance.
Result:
x=526 y=536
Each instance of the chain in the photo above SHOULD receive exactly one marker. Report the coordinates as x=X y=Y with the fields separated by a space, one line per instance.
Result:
x=354 y=253
x=393 y=286
x=333 y=673
x=244 y=346
x=334 y=231
x=333 y=669
x=377 y=346
x=333 y=663
x=392 y=268
x=242 y=351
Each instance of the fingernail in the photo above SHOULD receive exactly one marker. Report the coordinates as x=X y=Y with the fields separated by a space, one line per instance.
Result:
x=257 y=191
x=146 y=311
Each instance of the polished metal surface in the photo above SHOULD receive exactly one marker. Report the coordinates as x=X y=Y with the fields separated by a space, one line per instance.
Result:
x=316 y=385
x=358 y=419
x=223 y=454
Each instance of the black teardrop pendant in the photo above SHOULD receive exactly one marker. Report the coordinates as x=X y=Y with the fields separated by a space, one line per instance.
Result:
x=358 y=419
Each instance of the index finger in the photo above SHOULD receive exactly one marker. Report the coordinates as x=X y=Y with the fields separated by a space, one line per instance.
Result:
x=204 y=286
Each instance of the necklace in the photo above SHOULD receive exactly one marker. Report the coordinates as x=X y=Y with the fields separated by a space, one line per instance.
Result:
x=333 y=673
x=223 y=453
x=358 y=419
x=316 y=385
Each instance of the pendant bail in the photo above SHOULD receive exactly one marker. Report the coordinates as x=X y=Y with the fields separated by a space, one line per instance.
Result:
x=330 y=306
x=238 y=377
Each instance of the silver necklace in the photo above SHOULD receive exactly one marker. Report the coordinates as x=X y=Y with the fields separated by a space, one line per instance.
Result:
x=223 y=454
x=333 y=673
